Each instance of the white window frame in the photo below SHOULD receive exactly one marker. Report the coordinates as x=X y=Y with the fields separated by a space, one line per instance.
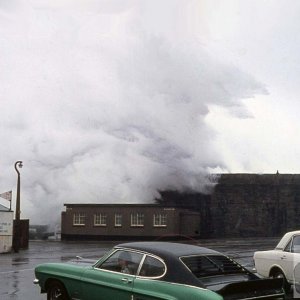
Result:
x=79 y=219
x=137 y=219
x=160 y=220
x=100 y=219
x=118 y=220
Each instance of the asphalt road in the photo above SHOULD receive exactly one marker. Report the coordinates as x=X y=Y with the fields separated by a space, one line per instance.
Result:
x=17 y=269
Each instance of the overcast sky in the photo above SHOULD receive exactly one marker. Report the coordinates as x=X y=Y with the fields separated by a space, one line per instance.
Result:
x=112 y=100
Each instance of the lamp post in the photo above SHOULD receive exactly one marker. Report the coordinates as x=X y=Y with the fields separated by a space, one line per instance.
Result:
x=17 y=231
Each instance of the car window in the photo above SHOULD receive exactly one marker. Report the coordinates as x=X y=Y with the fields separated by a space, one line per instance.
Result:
x=296 y=244
x=152 y=267
x=122 y=261
x=288 y=246
x=202 y=266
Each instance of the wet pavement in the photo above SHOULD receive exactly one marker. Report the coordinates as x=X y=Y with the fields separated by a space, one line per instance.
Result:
x=17 y=269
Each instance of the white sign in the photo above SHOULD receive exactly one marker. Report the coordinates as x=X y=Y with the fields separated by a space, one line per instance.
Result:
x=6 y=223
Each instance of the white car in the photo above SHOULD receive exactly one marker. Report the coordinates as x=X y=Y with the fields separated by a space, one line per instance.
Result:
x=282 y=261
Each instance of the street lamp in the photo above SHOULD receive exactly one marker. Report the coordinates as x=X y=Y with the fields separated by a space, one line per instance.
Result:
x=17 y=231
x=18 y=211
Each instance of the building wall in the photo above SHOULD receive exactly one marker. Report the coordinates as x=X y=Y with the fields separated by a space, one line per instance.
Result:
x=241 y=205
x=255 y=205
x=244 y=205
x=148 y=231
x=6 y=231
x=189 y=223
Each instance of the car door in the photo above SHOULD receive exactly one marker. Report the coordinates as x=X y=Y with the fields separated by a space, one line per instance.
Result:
x=295 y=249
x=111 y=279
x=287 y=258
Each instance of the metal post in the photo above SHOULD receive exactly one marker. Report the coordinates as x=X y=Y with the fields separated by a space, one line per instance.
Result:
x=10 y=201
x=17 y=231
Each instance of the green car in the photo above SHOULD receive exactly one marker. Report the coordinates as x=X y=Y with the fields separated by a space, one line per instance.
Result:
x=156 y=271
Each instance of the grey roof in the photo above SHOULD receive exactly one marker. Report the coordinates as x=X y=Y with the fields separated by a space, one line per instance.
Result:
x=168 y=248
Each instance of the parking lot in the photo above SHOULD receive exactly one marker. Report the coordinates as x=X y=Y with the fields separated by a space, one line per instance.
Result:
x=17 y=269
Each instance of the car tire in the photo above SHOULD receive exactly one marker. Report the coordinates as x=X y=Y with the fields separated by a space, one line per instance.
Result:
x=286 y=285
x=57 y=291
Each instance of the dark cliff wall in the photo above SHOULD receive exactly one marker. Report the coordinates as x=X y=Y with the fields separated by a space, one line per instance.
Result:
x=246 y=205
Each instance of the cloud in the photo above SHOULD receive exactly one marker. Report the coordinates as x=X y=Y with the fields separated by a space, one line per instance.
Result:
x=102 y=106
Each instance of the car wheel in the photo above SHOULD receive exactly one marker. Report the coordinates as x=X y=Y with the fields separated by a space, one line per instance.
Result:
x=286 y=285
x=56 y=290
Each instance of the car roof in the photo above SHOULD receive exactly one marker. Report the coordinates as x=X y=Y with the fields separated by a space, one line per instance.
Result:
x=168 y=248
x=170 y=253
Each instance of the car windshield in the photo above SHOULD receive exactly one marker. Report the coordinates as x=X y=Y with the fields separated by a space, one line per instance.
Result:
x=211 y=265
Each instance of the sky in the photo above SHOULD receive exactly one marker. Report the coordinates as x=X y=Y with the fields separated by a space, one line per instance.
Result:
x=111 y=101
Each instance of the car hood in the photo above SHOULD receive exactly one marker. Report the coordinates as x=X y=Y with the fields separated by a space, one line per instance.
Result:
x=70 y=268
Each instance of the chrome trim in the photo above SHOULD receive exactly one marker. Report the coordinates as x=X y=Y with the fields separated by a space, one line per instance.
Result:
x=98 y=266
x=126 y=280
x=36 y=281
x=144 y=253
x=141 y=264
x=153 y=277
x=266 y=296
x=175 y=283
x=114 y=272
x=142 y=261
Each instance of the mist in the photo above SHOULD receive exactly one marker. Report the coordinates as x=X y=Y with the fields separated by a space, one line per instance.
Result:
x=106 y=102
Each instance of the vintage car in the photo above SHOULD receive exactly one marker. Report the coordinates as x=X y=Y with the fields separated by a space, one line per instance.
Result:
x=155 y=270
x=282 y=261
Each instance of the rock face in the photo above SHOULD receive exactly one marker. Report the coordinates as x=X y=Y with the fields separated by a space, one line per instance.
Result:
x=245 y=205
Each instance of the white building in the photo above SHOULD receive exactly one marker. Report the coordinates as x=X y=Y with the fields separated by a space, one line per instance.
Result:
x=6 y=229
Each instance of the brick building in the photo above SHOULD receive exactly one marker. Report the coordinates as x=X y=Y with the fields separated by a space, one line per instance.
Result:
x=127 y=221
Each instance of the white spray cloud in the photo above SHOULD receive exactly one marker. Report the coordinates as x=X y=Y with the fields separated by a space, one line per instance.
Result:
x=103 y=106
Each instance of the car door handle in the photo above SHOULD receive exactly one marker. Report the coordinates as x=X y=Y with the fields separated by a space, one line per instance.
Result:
x=126 y=280
x=283 y=257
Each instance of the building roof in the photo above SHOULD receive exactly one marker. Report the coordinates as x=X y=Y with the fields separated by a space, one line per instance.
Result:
x=114 y=205
x=260 y=179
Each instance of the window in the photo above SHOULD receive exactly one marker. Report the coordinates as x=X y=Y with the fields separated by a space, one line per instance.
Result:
x=122 y=261
x=160 y=220
x=137 y=219
x=100 y=219
x=79 y=219
x=296 y=244
x=211 y=265
x=118 y=220
x=152 y=267
x=288 y=246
